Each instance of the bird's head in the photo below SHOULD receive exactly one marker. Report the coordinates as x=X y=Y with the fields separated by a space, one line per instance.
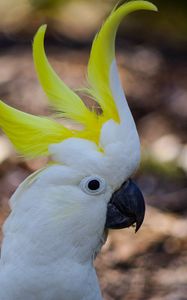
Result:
x=89 y=181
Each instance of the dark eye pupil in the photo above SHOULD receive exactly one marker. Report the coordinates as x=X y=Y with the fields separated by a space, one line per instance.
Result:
x=94 y=185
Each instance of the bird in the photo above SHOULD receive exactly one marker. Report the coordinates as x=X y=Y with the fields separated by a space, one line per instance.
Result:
x=61 y=214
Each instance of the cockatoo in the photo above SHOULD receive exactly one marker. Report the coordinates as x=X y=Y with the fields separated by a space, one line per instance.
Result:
x=60 y=214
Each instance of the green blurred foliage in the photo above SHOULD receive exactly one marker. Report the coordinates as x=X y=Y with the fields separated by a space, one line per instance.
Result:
x=46 y=4
x=170 y=170
x=168 y=27
x=80 y=19
x=171 y=22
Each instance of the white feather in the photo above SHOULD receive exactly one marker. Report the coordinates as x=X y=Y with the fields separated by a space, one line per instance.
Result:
x=51 y=238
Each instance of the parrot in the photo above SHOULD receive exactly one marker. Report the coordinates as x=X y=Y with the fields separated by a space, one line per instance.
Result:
x=61 y=214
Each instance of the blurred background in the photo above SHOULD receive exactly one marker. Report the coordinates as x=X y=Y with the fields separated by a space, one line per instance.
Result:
x=152 y=60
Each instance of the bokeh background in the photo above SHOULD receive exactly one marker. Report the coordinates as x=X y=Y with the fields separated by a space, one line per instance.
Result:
x=152 y=59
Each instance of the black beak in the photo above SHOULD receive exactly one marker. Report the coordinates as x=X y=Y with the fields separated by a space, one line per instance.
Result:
x=126 y=207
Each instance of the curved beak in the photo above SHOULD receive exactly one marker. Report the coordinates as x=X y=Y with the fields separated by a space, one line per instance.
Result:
x=126 y=207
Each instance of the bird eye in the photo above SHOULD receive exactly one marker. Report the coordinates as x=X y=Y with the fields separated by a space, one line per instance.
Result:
x=93 y=185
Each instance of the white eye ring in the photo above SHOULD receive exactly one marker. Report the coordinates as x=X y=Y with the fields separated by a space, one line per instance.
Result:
x=93 y=185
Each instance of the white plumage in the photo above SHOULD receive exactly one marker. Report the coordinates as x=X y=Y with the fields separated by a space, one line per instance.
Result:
x=59 y=214
x=55 y=228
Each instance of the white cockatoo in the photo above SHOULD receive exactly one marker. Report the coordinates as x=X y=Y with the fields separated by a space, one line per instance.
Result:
x=59 y=215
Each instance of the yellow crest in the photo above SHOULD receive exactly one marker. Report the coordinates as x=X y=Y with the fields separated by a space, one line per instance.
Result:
x=32 y=135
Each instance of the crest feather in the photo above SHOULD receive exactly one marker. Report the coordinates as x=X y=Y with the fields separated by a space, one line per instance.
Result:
x=61 y=97
x=103 y=54
x=31 y=135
